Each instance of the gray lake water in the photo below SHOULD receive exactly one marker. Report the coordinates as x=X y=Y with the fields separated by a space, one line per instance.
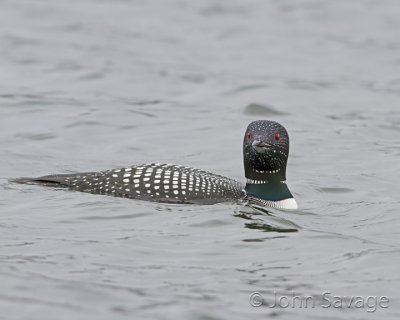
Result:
x=94 y=85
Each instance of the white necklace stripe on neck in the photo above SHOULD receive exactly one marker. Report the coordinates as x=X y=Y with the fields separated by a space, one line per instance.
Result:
x=272 y=171
x=251 y=181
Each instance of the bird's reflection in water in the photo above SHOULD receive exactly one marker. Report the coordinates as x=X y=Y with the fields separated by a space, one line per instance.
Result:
x=264 y=219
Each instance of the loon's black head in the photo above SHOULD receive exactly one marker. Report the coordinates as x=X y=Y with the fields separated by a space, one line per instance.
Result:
x=265 y=151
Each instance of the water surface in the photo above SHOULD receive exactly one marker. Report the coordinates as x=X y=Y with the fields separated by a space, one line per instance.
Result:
x=94 y=85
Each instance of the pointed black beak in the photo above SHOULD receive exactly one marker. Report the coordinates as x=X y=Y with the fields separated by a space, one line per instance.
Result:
x=260 y=146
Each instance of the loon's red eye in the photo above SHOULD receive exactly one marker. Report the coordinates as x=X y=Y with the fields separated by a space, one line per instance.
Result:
x=277 y=136
x=248 y=135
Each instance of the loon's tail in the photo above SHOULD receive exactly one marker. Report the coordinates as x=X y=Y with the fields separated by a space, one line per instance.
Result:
x=46 y=181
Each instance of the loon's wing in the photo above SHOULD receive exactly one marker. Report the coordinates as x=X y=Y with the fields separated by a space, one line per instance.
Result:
x=152 y=182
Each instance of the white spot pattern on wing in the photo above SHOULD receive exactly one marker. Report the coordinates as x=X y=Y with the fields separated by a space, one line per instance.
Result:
x=160 y=183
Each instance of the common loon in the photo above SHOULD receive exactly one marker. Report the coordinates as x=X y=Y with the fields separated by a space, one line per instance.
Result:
x=265 y=152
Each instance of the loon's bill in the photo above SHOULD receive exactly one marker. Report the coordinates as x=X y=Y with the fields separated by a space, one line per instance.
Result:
x=265 y=152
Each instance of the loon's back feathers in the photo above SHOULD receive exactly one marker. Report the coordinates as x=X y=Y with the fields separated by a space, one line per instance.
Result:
x=265 y=152
x=152 y=182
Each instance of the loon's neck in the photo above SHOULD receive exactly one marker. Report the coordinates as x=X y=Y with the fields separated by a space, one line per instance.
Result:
x=268 y=190
x=274 y=193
